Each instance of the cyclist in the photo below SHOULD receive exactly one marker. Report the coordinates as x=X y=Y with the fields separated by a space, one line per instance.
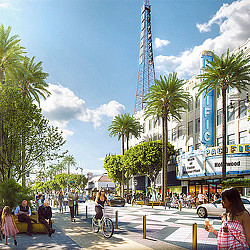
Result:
x=101 y=198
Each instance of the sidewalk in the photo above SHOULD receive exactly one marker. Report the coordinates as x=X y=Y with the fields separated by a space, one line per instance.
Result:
x=79 y=235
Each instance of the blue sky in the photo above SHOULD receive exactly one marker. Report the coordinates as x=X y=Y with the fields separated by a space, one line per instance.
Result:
x=90 y=48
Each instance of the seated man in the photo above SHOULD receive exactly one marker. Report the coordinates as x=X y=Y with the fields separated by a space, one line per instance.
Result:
x=44 y=216
x=23 y=211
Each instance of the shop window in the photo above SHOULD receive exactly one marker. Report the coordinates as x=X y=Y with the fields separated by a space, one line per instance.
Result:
x=197 y=125
x=231 y=139
x=219 y=141
x=190 y=128
x=242 y=109
x=219 y=117
x=243 y=136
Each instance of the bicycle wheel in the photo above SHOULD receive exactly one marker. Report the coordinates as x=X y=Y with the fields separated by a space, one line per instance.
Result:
x=107 y=228
x=95 y=226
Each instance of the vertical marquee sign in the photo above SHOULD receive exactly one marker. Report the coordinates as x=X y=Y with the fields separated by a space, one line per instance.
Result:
x=207 y=107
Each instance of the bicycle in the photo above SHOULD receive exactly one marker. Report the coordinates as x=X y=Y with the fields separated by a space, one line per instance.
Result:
x=105 y=224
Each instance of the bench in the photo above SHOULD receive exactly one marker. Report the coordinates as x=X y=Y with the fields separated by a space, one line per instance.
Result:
x=156 y=203
x=36 y=227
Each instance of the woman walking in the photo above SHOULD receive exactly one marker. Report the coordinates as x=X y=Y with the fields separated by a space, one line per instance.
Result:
x=8 y=224
x=235 y=229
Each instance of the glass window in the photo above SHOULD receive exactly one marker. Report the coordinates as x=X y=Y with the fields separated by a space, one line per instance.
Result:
x=231 y=139
x=197 y=125
x=243 y=136
x=219 y=141
x=155 y=123
x=190 y=128
x=197 y=102
x=197 y=146
x=242 y=109
x=190 y=148
x=190 y=104
x=180 y=132
x=174 y=134
x=149 y=125
x=179 y=151
x=230 y=114
x=219 y=117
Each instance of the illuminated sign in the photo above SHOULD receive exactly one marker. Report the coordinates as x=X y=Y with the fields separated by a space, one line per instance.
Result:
x=231 y=149
x=207 y=108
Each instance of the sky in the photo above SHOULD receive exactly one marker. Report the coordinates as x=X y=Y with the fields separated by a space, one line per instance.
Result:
x=90 y=48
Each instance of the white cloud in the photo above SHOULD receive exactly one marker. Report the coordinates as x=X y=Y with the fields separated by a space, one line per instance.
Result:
x=4 y=5
x=63 y=106
x=160 y=43
x=233 y=21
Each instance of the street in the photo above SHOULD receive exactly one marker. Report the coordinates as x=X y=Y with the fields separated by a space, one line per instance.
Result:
x=170 y=225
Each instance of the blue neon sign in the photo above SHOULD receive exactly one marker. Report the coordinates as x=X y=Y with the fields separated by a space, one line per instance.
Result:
x=207 y=108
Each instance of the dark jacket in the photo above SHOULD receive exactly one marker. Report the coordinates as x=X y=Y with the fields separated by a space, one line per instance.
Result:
x=44 y=212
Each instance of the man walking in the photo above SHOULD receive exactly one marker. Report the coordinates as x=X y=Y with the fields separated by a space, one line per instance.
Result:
x=45 y=215
x=72 y=201
x=23 y=212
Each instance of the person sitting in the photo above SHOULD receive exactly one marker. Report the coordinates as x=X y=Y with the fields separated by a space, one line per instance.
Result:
x=44 y=216
x=23 y=212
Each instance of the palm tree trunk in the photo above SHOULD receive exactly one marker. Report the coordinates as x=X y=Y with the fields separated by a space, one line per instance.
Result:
x=224 y=134
x=122 y=167
x=165 y=156
x=163 y=159
x=127 y=171
x=23 y=162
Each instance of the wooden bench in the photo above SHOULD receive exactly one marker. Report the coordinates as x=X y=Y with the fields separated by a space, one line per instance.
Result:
x=156 y=203
x=36 y=227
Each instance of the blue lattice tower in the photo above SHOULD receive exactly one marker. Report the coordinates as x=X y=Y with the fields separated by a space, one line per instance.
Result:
x=146 y=74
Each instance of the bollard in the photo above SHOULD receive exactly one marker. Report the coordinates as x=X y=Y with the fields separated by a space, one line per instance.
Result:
x=141 y=204
x=165 y=205
x=65 y=205
x=152 y=204
x=86 y=212
x=54 y=204
x=77 y=209
x=194 y=236
x=180 y=206
x=116 y=219
x=144 y=226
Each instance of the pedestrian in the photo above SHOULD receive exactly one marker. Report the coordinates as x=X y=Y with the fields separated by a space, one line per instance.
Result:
x=23 y=212
x=60 y=201
x=8 y=225
x=234 y=232
x=158 y=197
x=72 y=199
x=189 y=200
x=201 y=198
x=45 y=215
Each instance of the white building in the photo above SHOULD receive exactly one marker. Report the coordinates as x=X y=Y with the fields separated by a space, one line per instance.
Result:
x=198 y=167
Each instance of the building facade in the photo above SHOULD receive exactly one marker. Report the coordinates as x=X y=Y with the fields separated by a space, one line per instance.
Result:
x=198 y=137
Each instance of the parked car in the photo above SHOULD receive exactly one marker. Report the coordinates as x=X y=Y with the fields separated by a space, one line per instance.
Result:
x=215 y=208
x=82 y=199
x=116 y=201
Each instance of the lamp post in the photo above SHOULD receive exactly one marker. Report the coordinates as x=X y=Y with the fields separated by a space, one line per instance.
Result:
x=81 y=168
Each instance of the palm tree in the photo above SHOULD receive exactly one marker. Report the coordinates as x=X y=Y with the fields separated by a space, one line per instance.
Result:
x=229 y=70
x=32 y=80
x=166 y=98
x=69 y=160
x=10 y=54
x=122 y=126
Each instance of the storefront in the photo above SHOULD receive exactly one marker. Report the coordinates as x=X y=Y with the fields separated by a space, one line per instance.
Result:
x=202 y=170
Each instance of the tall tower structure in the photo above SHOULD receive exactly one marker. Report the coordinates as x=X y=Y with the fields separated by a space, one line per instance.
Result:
x=146 y=74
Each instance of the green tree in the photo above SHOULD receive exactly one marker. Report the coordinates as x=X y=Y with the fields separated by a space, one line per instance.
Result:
x=229 y=70
x=166 y=98
x=122 y=126
x=146 y=158
x=114 y=164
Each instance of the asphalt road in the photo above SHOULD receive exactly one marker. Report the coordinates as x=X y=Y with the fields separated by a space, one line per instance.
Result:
x=170 y=225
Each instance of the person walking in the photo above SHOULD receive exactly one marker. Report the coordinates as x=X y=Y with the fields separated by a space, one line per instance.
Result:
x=45 y=215
x=60 y=201
x=234 y=232
x=9 y=227
x=23 y=212
x=72 y=202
